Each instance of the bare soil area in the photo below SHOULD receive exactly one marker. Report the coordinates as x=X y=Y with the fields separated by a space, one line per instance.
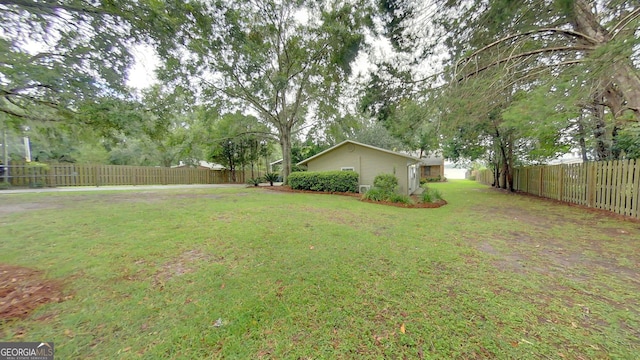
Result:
x=22 y=290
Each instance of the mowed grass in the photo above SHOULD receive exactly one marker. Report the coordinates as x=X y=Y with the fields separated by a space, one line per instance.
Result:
x=252 y=273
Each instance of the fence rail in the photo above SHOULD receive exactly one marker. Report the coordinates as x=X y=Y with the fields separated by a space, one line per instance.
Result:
x=608 y=185
x=54 y=175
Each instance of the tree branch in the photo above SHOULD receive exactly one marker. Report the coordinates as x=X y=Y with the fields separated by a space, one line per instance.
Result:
x=299 y=97
x=525 y=54
x=615 y=30
x=47 y=7
x=13 y=113
x=246 y=95
x=566 y=32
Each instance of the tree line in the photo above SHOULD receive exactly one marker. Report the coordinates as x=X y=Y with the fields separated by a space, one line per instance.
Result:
x=507 y=83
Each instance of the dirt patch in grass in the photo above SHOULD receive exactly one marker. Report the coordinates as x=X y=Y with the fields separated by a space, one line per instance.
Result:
x=334 y=216
x=416 y=204
x=74 y=200
x=595 y=211
x=547 y=238
x=183 y=264
x=22 y=290
x=6 y=209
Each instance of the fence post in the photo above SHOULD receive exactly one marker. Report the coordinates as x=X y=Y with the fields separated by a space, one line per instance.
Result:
x=636 y=190
x=561 y=182
x=540 y=180
x=52 y=177
x=591 y=184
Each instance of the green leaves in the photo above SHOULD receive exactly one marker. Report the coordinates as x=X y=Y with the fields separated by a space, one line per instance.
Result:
x=237 y=140
x=278 y=59
x=56 y=55
x=327 y=181
x=527 y=79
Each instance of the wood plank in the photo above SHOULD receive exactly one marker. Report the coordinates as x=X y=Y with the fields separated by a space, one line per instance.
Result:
x=560 y=182
x=627 y=176
x=636 y=190
x=614 y=180
x=607 y=185
x=610 y=175
x=603 y=179
x=598 y=175
x=583 y=191
x=619 y=184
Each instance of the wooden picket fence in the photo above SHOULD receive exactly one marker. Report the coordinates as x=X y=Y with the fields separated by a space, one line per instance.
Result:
x=608 y=185
x=54 y=175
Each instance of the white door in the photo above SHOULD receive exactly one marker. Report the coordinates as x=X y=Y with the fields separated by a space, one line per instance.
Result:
x=412 y=179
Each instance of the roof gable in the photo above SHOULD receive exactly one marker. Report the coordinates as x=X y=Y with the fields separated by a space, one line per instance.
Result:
x=303 y=162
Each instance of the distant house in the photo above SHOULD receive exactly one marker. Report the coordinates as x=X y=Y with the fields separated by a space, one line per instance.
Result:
x=573 y=157
x=368 y=161
x=202 y=165
x=431 y=167
x=275 y=166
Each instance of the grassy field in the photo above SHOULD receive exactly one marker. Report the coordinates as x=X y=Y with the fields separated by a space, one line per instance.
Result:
x=252 y=273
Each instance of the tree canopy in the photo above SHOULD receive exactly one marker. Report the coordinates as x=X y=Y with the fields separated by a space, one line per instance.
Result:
x=526 y=80
x=508 y=81
x=284 y=62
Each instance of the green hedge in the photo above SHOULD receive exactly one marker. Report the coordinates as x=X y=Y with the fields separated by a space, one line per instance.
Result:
x=385 y=187
x=329 y=181
x=386 y=182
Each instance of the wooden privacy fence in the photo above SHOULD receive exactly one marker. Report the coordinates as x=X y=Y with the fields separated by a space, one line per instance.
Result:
x=52 y=175
x=608 y=185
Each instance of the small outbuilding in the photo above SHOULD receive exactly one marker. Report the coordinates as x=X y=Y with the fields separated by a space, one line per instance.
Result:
x=432 y=168
x=368 y=161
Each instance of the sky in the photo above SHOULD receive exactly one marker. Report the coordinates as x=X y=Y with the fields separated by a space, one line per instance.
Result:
x=141 y=75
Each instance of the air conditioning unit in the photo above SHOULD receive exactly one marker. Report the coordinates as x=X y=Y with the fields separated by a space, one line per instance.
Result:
x=364 y=188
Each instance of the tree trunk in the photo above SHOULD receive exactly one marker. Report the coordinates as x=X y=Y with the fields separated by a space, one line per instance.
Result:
x=285 y=144
x=613 y=98
x=615 y=151
x=581 y=139
x=505 y=166
x=624 y=84
x=628 y=85
x=506 y=158
x=600 y=134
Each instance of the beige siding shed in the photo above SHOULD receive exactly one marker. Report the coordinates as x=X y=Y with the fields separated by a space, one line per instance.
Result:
x=368 y=161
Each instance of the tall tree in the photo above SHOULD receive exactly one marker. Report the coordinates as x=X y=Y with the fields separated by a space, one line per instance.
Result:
x=593 y=42
x=167 y=123
x=55 y=55
x=62 y=60
x=284 y=60
x=237 y=140
x=503 y=56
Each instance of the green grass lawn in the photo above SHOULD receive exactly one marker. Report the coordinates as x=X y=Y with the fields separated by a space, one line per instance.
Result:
x=252 y=273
